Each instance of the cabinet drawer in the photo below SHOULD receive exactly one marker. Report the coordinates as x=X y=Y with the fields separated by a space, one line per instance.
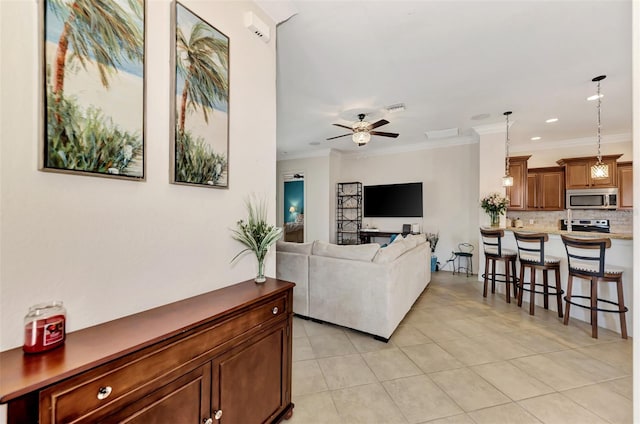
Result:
x=99 y=392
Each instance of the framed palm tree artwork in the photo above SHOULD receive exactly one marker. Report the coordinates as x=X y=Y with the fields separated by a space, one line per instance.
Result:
x=93 y=87
x=200 y=143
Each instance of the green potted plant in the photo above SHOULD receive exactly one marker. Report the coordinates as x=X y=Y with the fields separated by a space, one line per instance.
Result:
x=256 y=234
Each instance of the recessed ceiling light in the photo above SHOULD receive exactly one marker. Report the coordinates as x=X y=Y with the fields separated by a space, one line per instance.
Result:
x=480 y=116
x=595 y=97
x=536 y=138
x=551 y=120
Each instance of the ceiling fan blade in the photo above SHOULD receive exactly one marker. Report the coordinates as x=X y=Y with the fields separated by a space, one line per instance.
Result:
x=338 y=136
x=384 y=134
x=343 y=126
x=379 y=123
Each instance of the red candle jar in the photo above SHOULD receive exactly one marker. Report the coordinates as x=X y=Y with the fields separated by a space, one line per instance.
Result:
x=44 y=327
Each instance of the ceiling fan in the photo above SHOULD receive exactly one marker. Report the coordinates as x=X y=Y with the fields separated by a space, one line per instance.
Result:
x=361 y=130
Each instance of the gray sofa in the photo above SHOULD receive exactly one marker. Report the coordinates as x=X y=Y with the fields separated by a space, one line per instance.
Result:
x=364 y=287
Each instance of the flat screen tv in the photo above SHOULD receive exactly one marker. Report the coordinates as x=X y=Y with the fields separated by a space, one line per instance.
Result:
x=393 y=200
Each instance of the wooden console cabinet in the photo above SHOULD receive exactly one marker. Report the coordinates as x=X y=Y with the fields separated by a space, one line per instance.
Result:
x=221 y=357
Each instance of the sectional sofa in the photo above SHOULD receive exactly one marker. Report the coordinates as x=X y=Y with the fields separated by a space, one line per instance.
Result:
x=364 y=287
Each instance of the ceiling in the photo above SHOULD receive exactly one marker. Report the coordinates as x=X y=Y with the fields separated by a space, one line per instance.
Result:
x=448 y=62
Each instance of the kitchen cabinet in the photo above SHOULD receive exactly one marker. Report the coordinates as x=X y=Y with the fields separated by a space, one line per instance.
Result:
x=578 y=172
x=625 y=185
x=224 y=356
x=517 y=193
x=545 y=188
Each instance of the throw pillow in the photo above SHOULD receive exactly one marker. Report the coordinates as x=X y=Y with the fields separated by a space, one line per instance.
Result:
x=391 y=252
x=395 y=238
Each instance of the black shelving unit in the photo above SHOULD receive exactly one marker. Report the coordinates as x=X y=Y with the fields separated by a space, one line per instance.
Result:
x=348 y=212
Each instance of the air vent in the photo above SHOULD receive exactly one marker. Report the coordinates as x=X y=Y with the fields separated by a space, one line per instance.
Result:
x=448 y=132
x=398 y=107
x=257 y=26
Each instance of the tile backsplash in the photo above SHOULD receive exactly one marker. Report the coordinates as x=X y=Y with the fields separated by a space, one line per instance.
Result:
x=621 y=220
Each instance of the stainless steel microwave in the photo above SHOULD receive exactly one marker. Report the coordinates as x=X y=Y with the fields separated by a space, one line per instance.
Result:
x=592 y=198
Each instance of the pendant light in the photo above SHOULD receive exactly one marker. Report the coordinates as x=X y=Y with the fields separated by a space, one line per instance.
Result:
x=507 y=180
x=599 y=170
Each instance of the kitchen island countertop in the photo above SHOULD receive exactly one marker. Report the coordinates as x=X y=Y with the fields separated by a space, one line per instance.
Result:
x=549 y=230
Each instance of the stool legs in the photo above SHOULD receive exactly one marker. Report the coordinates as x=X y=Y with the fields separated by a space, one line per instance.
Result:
x=515 y=280
x=594 y=308
x=558 y=292
x=594 y=305
x=623 y=318
x=507 y=278
x=545 y=284
x=567 y=298
x=486 y=276
x=520 y=285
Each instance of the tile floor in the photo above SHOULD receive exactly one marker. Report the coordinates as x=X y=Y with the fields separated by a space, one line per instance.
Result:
x=460 y=358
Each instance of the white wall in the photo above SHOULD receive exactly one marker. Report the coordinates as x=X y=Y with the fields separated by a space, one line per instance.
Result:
x=636 y=196
x=110 y=248
x=449 y=177
x=317 y=194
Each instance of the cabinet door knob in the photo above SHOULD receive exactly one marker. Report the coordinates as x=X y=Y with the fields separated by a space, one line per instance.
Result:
x=275 y=310
x=104 y=392
x=207 y=421
x=218 y=414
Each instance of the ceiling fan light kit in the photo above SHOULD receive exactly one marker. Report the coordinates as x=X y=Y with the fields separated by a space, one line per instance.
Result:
x=599 y=170
x=362 y=130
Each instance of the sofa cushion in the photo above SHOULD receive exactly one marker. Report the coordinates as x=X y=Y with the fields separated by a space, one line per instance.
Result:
x=420 y=238
x=361 y=252
x=411 y=240
x=286 y=246
x=392 y=252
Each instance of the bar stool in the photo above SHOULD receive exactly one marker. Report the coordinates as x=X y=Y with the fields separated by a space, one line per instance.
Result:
x=586 y=258
x=493 y=251
x=532 y=257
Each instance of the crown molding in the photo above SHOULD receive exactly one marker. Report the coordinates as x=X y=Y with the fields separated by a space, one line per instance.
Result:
x=414 y=147
x=575 y=142
x=303 y=154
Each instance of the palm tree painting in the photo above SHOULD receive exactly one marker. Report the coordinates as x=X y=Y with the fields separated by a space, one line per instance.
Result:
x=94 y=85
x=200 y=148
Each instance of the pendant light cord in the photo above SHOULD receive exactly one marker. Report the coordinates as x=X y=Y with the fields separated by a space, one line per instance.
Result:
x=599 y=103
x=506 y=147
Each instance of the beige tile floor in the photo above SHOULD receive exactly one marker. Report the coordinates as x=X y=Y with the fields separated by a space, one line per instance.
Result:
x=460 y=358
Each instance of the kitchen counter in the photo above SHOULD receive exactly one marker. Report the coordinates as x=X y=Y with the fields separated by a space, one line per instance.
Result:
x=548 y=230
x=620 y=255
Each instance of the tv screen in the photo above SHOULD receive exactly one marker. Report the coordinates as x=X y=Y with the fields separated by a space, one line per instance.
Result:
x=393 y=200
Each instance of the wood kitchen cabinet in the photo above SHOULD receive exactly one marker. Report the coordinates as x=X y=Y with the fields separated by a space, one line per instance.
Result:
x=517 y=193
x=545 y=188
x=625 y=185
x=578 y=172
x=221 y=357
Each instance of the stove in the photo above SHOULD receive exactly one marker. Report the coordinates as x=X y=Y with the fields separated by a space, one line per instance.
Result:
x=589 y=225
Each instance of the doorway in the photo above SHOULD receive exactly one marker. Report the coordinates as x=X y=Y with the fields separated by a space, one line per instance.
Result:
x=294 y=208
